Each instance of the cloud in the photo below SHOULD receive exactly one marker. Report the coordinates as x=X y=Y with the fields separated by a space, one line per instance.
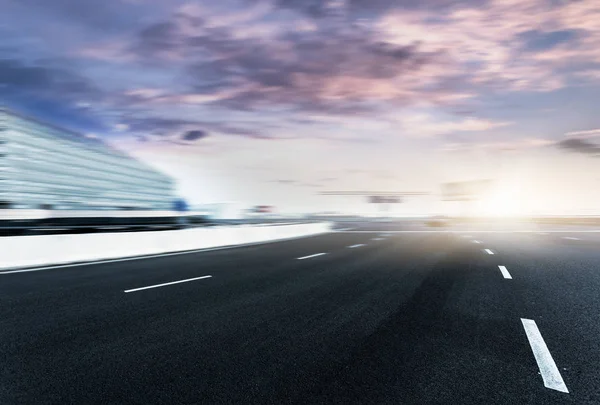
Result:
x=18 y=77
x=70 y=21
x=51 y=92
x=285 y=182
x=579 y=146
x=535 y=40
x=313 y=70
x=178 y=66
x=157 y=124
x=310 y=185
x=586 y=134
x=500 y=145
x=194 y=135
x=425 y=125
x=341 y=65
x=505 y=44
x=158 y=39
x=173 y=127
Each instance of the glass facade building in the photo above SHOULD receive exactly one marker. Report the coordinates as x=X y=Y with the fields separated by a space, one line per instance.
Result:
x=45 y=167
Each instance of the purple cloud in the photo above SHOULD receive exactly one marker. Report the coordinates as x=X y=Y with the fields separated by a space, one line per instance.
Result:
x=580 y=146
x=171 y=67
x=43 y=79
x=194 y=135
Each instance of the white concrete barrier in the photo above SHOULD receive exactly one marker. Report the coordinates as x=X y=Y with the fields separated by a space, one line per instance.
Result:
x=31 y=251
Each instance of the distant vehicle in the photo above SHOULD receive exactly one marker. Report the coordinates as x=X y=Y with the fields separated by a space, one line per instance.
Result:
x=261 y=211
x=437 y=221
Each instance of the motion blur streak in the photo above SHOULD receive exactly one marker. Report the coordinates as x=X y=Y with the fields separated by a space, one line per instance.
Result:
x=304 y=201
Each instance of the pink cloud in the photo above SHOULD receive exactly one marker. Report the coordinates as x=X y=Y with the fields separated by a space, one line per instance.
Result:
x=518 y=144
x=115 y=51
x=425 y=125
x=585 y=134
x=489 y=37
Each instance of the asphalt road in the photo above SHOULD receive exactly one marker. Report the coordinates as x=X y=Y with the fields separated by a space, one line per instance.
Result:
x=381 y=317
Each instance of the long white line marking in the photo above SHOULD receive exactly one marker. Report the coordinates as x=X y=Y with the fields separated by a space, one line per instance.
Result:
x=505 y=272
x=355 y=246
x=311 y=256
x=489 y=252
x=164 y=284
x=548 y=370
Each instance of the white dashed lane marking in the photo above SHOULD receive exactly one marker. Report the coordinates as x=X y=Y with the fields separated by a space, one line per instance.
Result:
x=505 y=272
x=165 y=284
x=548 y=370
x=311 y=256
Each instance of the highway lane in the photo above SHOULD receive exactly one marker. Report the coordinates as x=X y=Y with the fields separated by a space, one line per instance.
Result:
x=557 y=281
x=410 y=318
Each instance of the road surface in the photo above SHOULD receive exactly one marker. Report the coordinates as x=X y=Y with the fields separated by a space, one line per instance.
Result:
x=357 y=316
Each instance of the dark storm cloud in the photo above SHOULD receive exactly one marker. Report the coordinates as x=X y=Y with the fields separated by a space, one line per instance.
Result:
x=578 y=145
x=194 y=135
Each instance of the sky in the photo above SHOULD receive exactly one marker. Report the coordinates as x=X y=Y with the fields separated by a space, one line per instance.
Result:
x=274 y=101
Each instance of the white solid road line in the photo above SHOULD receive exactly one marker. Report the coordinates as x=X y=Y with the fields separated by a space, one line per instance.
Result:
x=570 y=238
x=131 y=258
x=489 y=252
x=164 y=284
x=355 y=246
x=548 y=370
x=505 y=272
x=485 y=231
x=311 y=256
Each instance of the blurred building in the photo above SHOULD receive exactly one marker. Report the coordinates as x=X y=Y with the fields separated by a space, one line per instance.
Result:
x=45 y=167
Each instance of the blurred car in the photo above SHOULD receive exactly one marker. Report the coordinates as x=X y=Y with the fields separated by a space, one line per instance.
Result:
x=437 y=221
